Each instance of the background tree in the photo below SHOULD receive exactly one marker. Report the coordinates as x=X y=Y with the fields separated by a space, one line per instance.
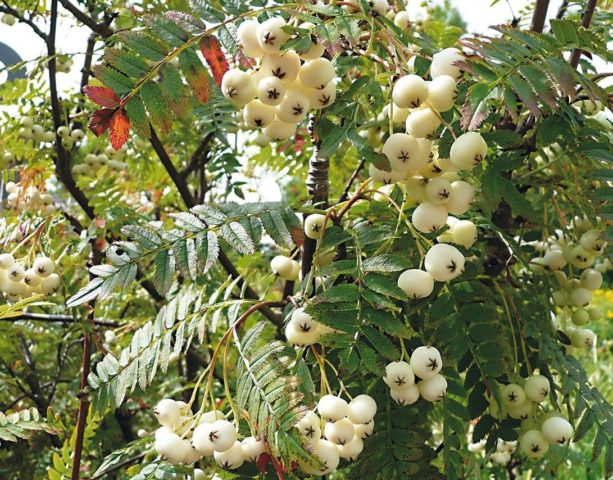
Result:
x=141 y=263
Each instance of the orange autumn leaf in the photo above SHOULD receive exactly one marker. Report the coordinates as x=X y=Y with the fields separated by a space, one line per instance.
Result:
x=214 y=56
x=119 y=128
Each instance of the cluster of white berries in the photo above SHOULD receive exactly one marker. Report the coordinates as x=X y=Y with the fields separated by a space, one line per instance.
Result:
x=424 y=366
x=92 y=163
x=338 y=431
x=17 y=282
x=34 y=131
x=554 y=430
x=63 y=63
x=503 y=452
x=29 y=198
x=303 y=330
x=279 y=93
x=575 y=293
x=8 y=19
x=181 y=441
x=70 y=137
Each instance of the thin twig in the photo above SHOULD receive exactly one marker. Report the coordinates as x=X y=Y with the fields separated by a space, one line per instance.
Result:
x=354 y=175
x=539 y=16
x=42 y=317
x=6 y=8
x=586 y=19
x=101 y=29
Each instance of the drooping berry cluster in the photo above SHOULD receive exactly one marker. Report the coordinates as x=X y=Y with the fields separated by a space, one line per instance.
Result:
x=345 y=425
x=419 y=377
x=92 y=163
x=17 y=281
x=185 y=438
x=30 y=198
x=35 y=132
x=284 y=86
x=578 y=250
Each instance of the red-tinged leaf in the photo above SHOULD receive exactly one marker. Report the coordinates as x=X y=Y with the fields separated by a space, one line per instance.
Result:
x=214 y=56
x=100 y=121
x=244 y=60
x=119 y=128
x=103 y=96
x=263 y=460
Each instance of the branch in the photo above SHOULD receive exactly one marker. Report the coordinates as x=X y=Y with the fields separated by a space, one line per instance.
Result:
x=28 y=21
x=42 y=317
x=355 y=174
x=199 y=154
x=539 y=16
x=586 y=19
x=562 y=10
x=318 y=188
x=189 y=200
x=101 y=29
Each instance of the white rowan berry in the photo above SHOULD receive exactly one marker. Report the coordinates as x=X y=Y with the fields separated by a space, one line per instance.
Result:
x=461 y=198
x=580 y=316
x=248 y=38
x=521 y=412
x=402 y=151
x=513 y=395
x=252 y=448
x=379 y=6
x=560 y=298
x=167 y=412
x=438 y=190
x=230 y=458
x=362 y=409
x=31 y=279
x=282 y=266
x=415 y=188
x=364 y=430
x=258 y=115
x=446 y=166
x=444 y=262
x=416 y=283
x=426 y=362
x=238 y=87
x=443 y=63
x=201 y=441
x=593 y=241
x=428 y=217
x=423 y=122
x=302 y=333
x=410 y=91
x=554 y=259
x=594 y=313
x=77 y=134
x=464 y=232
x=13 y=289
x=279 y=130
x=38 y=132
x=402 y=20
x=316 y=73
x=8 y=19
x=433 y=389
x=406 y=395
x=310 y=427
x=340 y=432
x=468 y=150
x=443 y=93
x=191 y=454
x=537 y=388
x=16 y=273
x=500 y=458
x=271 y=36
x=320 y=98
x=581 y=337
x=170 y=446
x=399 y=375
x=25 y=133
x=221 y=433
x=271 y=91
x=557 y=430
x=352 y=449
x=283 y=66
x=50 y=284
x=43 y=266
x=316 y=49
x=579 y=257
x=6 y=260
x=581 y=297
x=591 y=279
x=384 y=176
x=314 y=224
x=211 y=416
x=332 y=408
x=533 y=444
x=327 y=452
